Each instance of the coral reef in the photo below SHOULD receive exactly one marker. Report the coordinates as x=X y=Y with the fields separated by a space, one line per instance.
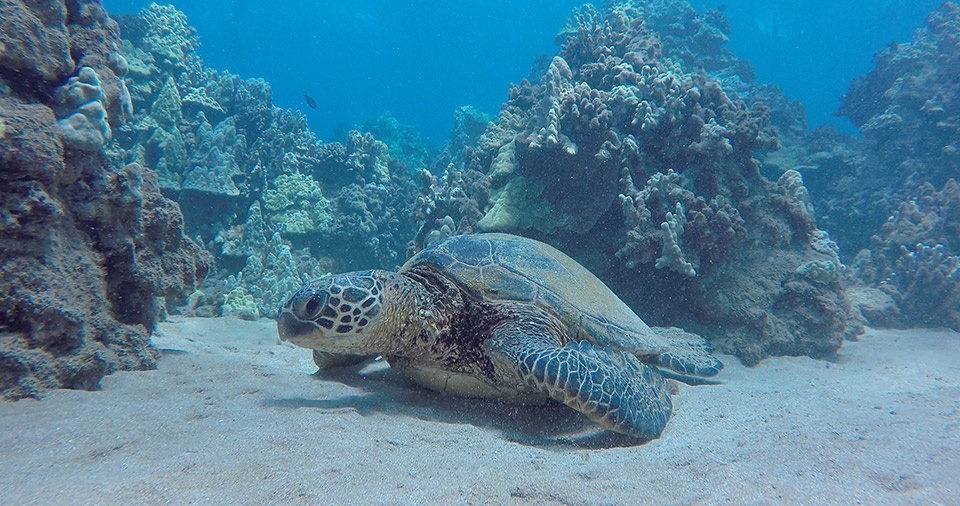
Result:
x=83 y=121
x=447 y=206
x=298 y=205
x=914 y=259
x=88 y=250
x=908 y=107
x=707 y=243
x=35 y=42
x=403 y=141
x=244 y=171
x=239 y=303
x=908 y=110
x=272 y=274
x=890 y=199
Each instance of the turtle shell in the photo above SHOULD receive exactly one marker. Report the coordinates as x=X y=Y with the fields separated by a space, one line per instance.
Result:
x=503 y=267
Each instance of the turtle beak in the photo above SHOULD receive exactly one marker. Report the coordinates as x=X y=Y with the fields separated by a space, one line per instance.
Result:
x=292 y=329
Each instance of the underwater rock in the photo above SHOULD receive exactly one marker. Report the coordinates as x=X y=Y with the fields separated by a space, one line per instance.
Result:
x=87 y=249
x=372 y=221
x=714 y=226
x=141 y=235
x=34 y=42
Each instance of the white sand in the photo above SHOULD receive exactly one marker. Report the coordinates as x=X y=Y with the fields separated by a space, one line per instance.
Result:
x=234 y=417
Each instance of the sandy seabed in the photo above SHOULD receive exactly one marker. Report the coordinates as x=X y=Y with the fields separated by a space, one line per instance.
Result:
x=233 y=416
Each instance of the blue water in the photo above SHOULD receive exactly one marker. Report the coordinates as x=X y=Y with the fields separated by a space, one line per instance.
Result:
x=421 y=60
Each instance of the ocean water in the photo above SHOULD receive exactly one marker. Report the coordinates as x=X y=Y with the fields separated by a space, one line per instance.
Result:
x=420 y=61
x=371 y=252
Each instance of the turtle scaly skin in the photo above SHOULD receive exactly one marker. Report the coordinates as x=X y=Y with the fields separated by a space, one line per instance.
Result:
x=500 y=316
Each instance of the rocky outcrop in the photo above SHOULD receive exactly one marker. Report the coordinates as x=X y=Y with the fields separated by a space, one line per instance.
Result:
x=88 y=251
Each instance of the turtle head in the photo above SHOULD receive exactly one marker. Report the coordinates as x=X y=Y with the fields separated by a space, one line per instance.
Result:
x=341 y=313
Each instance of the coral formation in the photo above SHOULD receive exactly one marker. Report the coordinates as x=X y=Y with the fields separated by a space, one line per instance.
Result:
x=244 y=171
x=890 y=199
x=89 y=250
x=298 y=205
x=123 y=158
x=83 y=122
x=239 y=303
x=908 y=107
x=633 y=96
x=403 y=141
x=272 y=274
x=35 y=42
x=446 y=206
x=914 y=259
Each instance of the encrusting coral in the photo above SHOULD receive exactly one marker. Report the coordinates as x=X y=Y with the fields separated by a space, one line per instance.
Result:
x=82 y=117
x=298 y=205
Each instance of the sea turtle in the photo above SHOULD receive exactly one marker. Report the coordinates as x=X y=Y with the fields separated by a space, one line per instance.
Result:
x=501 y=316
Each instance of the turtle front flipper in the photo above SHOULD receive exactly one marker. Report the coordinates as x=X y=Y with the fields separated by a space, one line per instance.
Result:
x=327 y=361
x=687 y=353
x=612 y=388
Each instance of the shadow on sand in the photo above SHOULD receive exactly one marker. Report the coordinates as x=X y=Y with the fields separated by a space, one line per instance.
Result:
x=548 y=426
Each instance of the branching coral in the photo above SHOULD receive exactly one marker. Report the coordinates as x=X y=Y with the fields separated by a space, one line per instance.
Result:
x=610 y=100
x=710 y=229
x=672 y=256
x=368 y=157
x=927 y=286
x=446 y=206
x=921 y=278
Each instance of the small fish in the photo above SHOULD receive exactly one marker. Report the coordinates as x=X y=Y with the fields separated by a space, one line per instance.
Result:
x=310 y=101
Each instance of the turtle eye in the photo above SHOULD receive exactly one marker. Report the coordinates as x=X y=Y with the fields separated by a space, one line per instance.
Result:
x=313 y=305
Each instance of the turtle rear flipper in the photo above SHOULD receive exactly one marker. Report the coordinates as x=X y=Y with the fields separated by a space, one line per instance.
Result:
x=612 y=388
